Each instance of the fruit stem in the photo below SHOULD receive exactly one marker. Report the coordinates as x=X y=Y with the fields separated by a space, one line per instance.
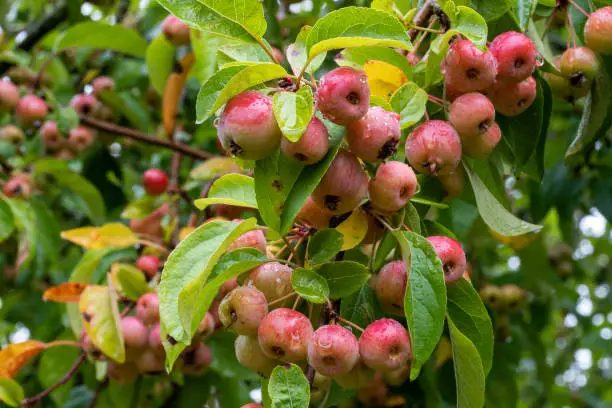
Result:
x=580 y=9
x=69 y=343
x=153 y=245
x=293 y=249
x=571 y=27
x=384 y=222
x=295 y=304
x=439 y=101
x=28 y=402
x=343 y=320
x=282 y=298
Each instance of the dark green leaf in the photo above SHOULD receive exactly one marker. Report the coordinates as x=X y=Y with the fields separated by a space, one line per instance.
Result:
x=100 y=35
x=7 y=222
x=310 y=285
x=288 y=387
x=344 y=277
x=361 y=307
x=523 y=9
x=324 y=245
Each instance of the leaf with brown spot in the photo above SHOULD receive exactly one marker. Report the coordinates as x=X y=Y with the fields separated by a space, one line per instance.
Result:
x=172 y=92
x=15 y=356
x=69 y=292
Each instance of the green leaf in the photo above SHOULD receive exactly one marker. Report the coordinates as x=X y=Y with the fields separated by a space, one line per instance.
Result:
x=100 y=35
x=205 y=47
x=243 y=20
x=7 y=222
x=297 y=56
x=53 y=365
x=25 y=224
x=210 y=90
x=288 y=387
x=293 y=111
x=357 y=57
x=83 y=188
x=524 y=9
x=469 y=374
x=410 y=102
x=493 y=213
x=491 y=10
x=129 y=281
x=361 y=307
x=231 y=189
x=67 y=119
x=128 y=106
x=470 y=316
x=597 y=112
x=356 y=27
x=192 y=260
x=344 y=277
x=310 y=285
x=224 y=361
x=160 y=62
x=425 y=300
x=324 y=245
x=11 y=392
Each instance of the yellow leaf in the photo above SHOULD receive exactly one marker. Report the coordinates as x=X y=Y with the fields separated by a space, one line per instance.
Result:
x=444 y=351
x=384 y=79
x=354 y=229
x=100 y=317
x=65 y=293
x=115 y=234
x=516 y=242
x=15 y=356
x=214 y=167
x=80 y=236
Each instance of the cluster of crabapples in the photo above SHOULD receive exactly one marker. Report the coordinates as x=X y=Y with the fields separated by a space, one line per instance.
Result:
x=32 y=116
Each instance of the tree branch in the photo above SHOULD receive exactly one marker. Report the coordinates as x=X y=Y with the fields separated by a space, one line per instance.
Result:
x=143 y=137
x=421 y=18
x=28 y=402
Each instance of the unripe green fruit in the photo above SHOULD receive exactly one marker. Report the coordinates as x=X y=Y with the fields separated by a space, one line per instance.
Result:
x=318 y=389
x=243 y=309
x=398 y=377
x=491 y=295
x=512 y=297
x=559 y=85
x=598 y=30
x=12 y=134
x=393 y=186
x=249 y=354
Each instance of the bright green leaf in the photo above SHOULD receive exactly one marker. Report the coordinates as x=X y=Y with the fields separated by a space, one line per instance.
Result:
x=297 y=55
x=210 y=90
x=11 y=392
x=7 y=222
x=129 y=281
x=469 y=374
x=288 y=387
x=324 y=245
x=100 y=35
x=160 y=62
x=344 y=277
x=310 y=285
x=410 y=102
x=231 y=189
x=293 y=111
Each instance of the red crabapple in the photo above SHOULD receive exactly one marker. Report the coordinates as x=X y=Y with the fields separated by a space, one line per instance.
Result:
x=434 y=148
x=412 y=58
x=319 y=387
x=80 y=138
x=19 y=185
x=12 y=134
x=51 y=137
x=469 y=69
x=284 y=334
x=312 y=146
x=273 y=279
x=471 y=115
x=147 y=308
x=251 y=239
x=385 y=345
x=314 y=215
x=516 y=56
x=393 y=186
x=175 y=31
x=30 y=110
x=481 y=146
x=343 y=186
x=149 y=264
x=333 y=350
x=250 y=355
x=343 y=95
x=149 y=362
x=206 y=326
x=154 y=340
x=155 y=182
x=580 y=66
x=598 y=31
x=357 y=377
x=102 y=83
x=375 y=136
x=243 y=309
x=247 y=127
x=252 y=405
x=196 y=360
x=512 y=99
x=9 y=96
x=84 y=104
x=390 y=287
x=135 y=333
x=453 y=183
x=122 y=373
x=452 y=256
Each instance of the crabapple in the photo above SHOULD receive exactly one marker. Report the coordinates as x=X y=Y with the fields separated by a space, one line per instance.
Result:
x=318 y=389
x=516 y=56
x=227 y=287
x=390 y=287
x=80 y=138
x=357 y=377
x=397 y=377
x=273 y=279
x=333 y=350
x=247 y=127
x=154 y=340
x=469 y=69
x=453 y=183
x=374 y=392
x=196 y=360
x=251 y=239
x=343 y=186
x=560 y=85
x=343 y=95
x=9 y=96
x=491 y=295
x=471 y=115
x=206 y=326
x=250 y=355
x=385 y=345
x=149 y=264
x=135 y=333
x=155 y=182
x=580 y=66
x=12 y=134
x=512 y=99
x=19 y=185
x=451 y=255
x=375 y=136
x=121 y=373
x=481 y=146
x=243 y=309
x=278 y=54
x=412 y=58
x=51 y=137
x=434 y=148
x=314 y=215
x=393 y=186
x=312 y=146
x=151 y=225
x=598 y=31
x=512 y=297
x=149 y=362
x=84 y=103
x=284 y=334
x=102 y=83
x=147 y=308
x=30 y=110
x=252 y=405
x=175 y=31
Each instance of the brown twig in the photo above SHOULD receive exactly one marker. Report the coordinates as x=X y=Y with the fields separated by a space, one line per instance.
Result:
x=143 y=137
x=421 y=18
x=94 y=399
x=28 y=402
